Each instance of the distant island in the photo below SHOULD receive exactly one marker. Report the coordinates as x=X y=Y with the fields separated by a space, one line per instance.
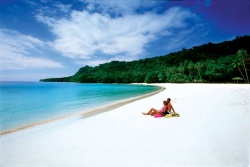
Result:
x=224 y=62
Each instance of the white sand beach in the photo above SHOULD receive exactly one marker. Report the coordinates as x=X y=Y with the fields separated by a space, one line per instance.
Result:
x=213 y=130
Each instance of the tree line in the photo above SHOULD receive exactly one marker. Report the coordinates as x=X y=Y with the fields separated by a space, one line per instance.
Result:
x=228 y=61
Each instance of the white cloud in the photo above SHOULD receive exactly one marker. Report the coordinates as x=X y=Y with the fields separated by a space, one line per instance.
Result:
x=22 y=52
x=62 y=7
x=85 y=34
x=49 y=14
x=120 y=7
x=182 y=38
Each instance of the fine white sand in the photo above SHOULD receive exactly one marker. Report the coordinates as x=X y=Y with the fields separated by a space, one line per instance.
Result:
x=213 y=130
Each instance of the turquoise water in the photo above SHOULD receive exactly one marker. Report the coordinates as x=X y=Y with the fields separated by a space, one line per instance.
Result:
x=25 y=103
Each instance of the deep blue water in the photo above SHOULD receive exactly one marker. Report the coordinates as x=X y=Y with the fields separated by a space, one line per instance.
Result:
x=25 y=103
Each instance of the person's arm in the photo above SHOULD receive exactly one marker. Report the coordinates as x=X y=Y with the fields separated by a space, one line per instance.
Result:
x=165 y=108
x=173 y=109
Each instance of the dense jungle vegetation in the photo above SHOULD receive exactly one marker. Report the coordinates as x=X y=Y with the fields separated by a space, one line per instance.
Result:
x=224 y=62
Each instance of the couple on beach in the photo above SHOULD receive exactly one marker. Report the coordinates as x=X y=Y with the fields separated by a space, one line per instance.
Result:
x=166 y=109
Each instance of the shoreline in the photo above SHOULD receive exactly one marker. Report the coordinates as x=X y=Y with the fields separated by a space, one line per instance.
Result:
x=88 y=112
x=217 y=126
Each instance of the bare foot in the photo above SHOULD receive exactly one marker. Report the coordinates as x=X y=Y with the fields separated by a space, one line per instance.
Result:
x=144 y=113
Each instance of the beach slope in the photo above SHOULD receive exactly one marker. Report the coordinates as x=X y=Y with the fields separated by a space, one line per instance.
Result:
x=213 y=130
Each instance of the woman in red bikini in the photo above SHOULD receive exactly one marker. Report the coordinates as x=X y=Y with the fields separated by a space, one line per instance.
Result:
x=153 y=111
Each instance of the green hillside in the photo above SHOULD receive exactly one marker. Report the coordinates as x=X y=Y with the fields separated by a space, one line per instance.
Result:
x=212 y=63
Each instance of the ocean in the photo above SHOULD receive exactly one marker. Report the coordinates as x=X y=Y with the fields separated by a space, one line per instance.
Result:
x=26 y=103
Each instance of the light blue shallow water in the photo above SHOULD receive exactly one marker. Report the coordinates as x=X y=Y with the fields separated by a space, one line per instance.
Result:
x=25 y=103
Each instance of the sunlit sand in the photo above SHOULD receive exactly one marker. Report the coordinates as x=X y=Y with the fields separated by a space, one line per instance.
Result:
x=212 y=130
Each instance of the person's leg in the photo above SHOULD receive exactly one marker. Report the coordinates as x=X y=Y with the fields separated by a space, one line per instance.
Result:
x=152 y=111
x=148 y=113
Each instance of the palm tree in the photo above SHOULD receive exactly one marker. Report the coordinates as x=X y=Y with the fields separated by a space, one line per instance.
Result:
x=190 y=66
x=181 y=69
x=237 y=64
x=241 y=55
x=198 y=66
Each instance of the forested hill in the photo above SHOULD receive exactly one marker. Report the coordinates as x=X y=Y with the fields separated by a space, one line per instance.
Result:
x=220 y=62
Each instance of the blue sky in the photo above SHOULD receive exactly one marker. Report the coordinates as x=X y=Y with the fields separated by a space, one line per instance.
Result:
x=50 y=38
